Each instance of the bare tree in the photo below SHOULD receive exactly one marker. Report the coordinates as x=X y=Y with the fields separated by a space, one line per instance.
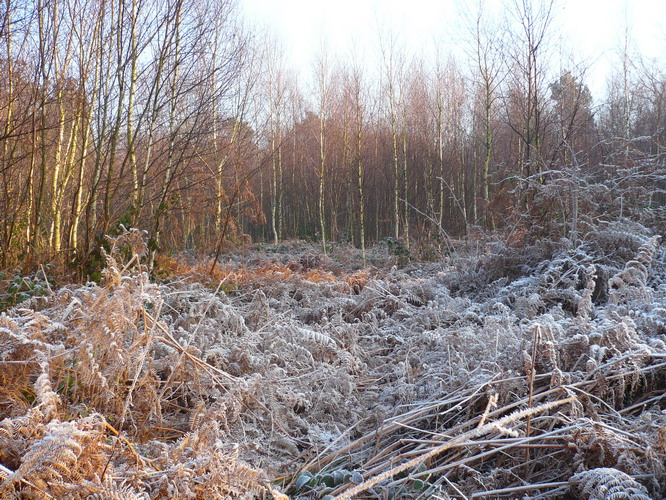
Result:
x=486 y=51
x=277 y=93
x=532 y=21
x=357 y=91
x=323 y=85
x=393 y=64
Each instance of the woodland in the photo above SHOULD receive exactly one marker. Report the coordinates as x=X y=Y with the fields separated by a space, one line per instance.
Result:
x=411 y=275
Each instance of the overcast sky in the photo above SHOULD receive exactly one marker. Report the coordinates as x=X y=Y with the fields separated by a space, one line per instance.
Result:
x=592 y=30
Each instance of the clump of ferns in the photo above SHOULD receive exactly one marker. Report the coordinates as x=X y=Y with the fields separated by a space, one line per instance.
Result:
x=606 y=483
x=46 y=458
x=565 y=275
x=40 y=453
x=598 y=444
x=106 y=357
x=112 y=361
x=622 y=366
x=619 y=444
x=630 y=285
x=16 y=375
x=125 y=249
x=200 y=465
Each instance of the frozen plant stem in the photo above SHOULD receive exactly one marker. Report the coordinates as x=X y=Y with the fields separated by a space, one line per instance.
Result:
x=509 y=419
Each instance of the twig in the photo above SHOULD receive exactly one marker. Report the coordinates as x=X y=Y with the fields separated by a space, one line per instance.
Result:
x=478 y=432
x=171 y=342
x=210 y=303
x=509 y=443
x=530 y=377
x=492 y=403
x=140 y=461
x=453 y=486
x=46 y=279
x=516 y=489
x=449 y=244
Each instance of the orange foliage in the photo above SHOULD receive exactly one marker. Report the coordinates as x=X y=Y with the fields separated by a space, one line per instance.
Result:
x=263 y=274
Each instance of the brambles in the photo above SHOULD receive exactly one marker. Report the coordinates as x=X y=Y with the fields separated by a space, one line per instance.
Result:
x=20 y=288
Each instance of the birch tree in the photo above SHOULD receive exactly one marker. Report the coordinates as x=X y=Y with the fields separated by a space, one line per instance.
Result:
x=486 y=51
x=323 y=89
x=532 y=21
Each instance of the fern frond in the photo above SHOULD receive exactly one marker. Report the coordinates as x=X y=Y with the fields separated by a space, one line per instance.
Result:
x=607 y=484
x=48 y=400
x=25 y=426
x=112 y=490
x=5 y=473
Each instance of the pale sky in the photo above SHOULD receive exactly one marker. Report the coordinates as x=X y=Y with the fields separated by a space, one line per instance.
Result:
x=592 y=30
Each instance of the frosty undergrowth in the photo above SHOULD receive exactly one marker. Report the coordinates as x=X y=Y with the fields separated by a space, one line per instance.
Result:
x=179 y=390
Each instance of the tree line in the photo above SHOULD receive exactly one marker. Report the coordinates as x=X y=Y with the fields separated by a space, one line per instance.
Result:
x=173 y=116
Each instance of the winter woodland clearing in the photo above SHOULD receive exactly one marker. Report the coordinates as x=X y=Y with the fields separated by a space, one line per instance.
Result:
x=483 y=314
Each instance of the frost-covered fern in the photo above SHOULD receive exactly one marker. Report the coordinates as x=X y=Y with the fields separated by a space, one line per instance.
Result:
x=607 y=484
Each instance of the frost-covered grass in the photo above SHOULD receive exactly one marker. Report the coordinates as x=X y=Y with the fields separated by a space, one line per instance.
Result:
x=533 y=372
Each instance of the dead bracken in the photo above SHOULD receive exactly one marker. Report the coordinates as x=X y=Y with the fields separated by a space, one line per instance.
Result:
x=415 y=383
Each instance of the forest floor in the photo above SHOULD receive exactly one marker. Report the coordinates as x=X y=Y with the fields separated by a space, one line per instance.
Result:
x=497 y=372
